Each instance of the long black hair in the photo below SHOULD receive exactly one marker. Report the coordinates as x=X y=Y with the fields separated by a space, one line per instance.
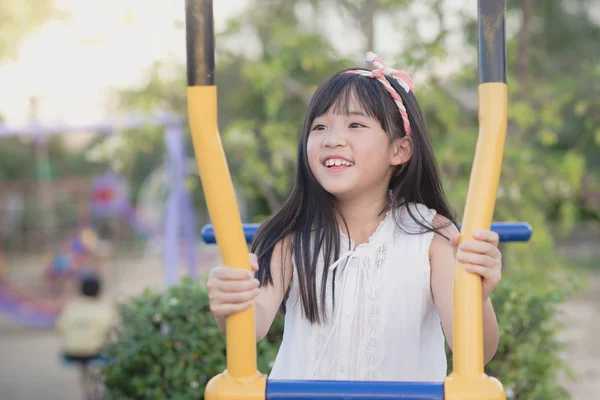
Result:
x=308 y=214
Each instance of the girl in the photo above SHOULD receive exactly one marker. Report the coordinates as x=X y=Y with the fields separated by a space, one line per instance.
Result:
x=362 y=254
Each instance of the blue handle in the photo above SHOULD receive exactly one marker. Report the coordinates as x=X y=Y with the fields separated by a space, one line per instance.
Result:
x=208 y=233
x=512 y=231
x=350 y=390
x=508 y=232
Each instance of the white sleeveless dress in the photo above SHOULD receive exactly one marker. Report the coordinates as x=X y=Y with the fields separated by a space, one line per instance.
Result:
x=385 y=326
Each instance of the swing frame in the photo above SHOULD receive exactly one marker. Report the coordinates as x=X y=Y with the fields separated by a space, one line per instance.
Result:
x=241 y=379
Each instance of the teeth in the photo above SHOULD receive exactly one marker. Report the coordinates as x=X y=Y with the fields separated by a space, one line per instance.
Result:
x=337 y=161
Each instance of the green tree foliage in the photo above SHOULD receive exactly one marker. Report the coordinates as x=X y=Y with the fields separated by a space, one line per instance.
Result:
x=18 y=160
x=18 y=18
x=261 y=129
x=553 y=76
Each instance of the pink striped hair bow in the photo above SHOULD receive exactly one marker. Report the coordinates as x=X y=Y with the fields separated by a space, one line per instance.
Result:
x=401 y=77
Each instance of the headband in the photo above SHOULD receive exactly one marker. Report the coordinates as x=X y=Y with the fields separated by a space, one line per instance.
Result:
x=400 y=76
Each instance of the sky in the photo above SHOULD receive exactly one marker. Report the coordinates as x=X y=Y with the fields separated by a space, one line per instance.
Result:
x=72 y=66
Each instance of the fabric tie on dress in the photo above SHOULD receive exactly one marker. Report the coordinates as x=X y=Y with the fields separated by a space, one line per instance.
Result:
x=363 y=268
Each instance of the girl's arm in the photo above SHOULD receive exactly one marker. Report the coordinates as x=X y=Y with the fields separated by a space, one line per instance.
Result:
x=442 y=255
x=232 y=290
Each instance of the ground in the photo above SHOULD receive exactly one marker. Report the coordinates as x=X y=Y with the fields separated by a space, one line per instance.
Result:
x=30 y=368
x=582 y=320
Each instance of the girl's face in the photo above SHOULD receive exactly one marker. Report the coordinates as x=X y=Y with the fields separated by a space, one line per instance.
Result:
x=351 y=154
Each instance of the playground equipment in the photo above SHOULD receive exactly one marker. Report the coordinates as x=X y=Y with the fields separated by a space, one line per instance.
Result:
x=27 y=310
x=109 y=198
x=241 y=379
x=37 y=311
x=508 y=232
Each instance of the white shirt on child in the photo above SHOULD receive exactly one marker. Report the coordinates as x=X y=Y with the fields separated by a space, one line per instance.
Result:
x=385 y=326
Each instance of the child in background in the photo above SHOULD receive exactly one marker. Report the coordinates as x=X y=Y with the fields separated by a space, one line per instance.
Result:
x=84 y=325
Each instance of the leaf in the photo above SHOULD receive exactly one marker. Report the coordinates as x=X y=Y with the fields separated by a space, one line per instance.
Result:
x=548 y=138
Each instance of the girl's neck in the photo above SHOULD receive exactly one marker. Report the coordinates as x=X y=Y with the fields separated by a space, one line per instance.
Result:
x=362 y=216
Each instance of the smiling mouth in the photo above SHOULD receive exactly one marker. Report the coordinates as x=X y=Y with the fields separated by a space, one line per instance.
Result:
x=337 y=163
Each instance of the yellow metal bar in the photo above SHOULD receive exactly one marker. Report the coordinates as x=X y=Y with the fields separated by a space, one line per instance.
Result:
x=224 y=213
x=241 y=380
x=468 y=380
x=479 y=210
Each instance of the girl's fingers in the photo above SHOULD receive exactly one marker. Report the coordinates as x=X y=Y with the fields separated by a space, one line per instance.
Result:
x=483 y=260
x=237 y=298
x=227 y=309
x=480 y=247
x=254 y=261
x=487 y=236
x=253 y=258
x=455 y=239
x=233 y=274
x=479 y=270
x=240 y=286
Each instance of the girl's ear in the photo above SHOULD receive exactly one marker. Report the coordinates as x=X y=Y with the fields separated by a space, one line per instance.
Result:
x=401 y=150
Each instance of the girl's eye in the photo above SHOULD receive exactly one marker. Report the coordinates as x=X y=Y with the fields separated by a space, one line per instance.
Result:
x=356 y=125
x=318 y=128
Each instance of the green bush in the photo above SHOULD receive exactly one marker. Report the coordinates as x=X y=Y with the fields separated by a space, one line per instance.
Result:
x=528 y=361
x=168 y=346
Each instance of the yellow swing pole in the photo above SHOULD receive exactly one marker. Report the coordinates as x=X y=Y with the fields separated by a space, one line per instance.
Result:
x=241 y=379
x=468 y=380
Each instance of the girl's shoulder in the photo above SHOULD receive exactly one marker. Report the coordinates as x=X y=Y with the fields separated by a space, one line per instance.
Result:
x=445 y=230
x=416 y=215
x=418 y=220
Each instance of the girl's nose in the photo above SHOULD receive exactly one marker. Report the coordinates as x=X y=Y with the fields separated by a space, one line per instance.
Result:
x=334 y=138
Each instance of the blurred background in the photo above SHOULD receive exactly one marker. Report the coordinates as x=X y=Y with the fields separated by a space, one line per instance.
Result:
x=97 y=170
